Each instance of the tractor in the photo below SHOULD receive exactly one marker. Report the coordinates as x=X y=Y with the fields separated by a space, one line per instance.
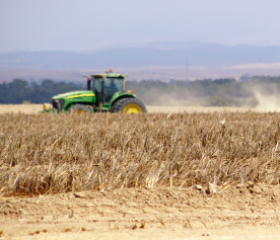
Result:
x=105 y=93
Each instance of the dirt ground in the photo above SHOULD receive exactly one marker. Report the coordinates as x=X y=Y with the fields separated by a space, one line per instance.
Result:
x=24 y=108
x=182 y=109
x=36 y=108
x=235 y=212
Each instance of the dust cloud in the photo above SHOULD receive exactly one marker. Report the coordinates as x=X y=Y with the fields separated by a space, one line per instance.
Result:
x=267 y=103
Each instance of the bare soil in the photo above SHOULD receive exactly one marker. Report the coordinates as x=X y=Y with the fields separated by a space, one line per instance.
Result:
x=21 y=108
x=243 y=211
x=182 y=109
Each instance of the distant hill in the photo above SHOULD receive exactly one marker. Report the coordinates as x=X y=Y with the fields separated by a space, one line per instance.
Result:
x=151 y=54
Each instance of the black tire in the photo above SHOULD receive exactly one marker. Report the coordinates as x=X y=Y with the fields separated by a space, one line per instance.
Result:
x=121 y=104
x=79 y=108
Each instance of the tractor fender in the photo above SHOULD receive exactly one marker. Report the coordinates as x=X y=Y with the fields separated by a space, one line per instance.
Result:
x=121 y=97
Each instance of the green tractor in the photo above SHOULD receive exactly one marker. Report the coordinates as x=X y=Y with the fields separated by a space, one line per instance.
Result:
x=105 y=93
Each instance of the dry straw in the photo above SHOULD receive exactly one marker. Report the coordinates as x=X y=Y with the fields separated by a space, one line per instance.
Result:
x=58 y=153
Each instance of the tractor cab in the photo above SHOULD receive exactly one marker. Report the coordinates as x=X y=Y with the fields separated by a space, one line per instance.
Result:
x=106 y=85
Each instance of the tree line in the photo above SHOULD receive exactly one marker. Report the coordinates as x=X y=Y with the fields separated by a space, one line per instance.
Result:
x=208 y=92
x=19 y=91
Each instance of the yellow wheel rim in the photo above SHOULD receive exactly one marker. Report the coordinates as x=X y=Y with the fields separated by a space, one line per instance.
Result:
x=80 y=112
x=132 y=108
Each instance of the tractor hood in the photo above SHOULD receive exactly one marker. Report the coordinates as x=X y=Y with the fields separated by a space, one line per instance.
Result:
x=74 y=94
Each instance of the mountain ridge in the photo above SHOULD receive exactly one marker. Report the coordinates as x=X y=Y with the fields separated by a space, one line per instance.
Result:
x=143 y=55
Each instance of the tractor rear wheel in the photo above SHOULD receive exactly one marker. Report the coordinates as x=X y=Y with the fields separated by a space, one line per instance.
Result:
x=79 y=109
x=129 y=105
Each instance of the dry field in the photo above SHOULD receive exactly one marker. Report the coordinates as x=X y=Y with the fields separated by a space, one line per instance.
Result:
x=182 y=175
x=57 y=153
x=36 y=108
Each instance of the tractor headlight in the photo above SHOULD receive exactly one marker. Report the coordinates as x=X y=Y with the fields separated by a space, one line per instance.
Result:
x=46 y=107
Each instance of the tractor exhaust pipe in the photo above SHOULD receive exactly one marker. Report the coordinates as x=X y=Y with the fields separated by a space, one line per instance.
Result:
x=86 y=76
x=88 y=82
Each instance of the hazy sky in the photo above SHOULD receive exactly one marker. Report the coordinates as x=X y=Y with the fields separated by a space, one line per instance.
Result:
x=81 y=25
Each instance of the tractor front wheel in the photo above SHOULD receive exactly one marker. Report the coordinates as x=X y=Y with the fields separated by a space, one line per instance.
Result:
x=79 y=109
x=129 y=106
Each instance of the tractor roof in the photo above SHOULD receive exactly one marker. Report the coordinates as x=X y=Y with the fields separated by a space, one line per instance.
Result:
x=109 y=75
